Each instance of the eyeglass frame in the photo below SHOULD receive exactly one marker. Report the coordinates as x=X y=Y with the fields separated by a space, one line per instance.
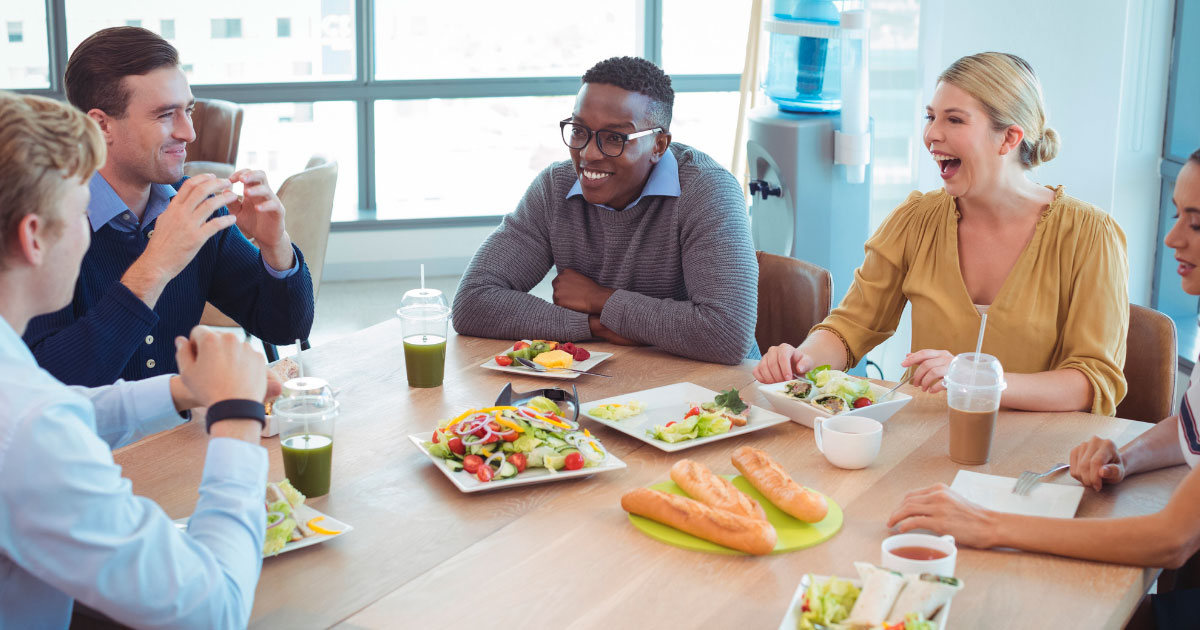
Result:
x=625 y=137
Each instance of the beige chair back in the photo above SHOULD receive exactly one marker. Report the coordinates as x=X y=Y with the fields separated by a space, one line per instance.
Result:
x=218 y=127
x=793 y=296
x=1150 y=362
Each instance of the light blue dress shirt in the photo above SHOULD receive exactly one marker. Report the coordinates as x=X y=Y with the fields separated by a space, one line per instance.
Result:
x=663 y=182
x=106 y=207
x=71 y=527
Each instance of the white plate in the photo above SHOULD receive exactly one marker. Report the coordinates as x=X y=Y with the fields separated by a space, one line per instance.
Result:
x=669 y=403
x=304 y=513
x=805 y=413
x=591 y=362
x=995 y=493
x=467 y=482
x=791 y=620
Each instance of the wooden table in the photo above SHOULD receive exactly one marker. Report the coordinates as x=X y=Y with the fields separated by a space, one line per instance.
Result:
x=563 y=554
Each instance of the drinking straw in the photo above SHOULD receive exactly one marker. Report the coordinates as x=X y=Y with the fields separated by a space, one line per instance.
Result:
x=978 y=349
x=300 y=370
x=422 y=276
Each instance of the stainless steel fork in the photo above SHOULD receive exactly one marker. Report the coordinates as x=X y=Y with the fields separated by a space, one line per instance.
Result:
x=1029 y=479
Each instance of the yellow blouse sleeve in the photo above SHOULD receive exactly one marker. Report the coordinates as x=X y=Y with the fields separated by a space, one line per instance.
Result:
x=871 y=309
x=1097 y=323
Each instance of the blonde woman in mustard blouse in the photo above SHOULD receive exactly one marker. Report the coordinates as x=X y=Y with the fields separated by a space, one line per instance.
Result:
x=1050 y=270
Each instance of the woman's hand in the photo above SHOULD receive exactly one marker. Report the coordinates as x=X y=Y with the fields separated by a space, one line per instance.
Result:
x=782 y=363
x=929 y=366
x=1097 y=462
x=944 y=511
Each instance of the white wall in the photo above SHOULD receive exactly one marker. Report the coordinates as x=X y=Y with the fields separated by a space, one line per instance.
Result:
x=1103 y=66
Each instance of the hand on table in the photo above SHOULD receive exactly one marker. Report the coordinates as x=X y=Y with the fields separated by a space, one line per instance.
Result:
x=179 y=233
x=944 y=511
x=929 y=366
x=260 y=214
x=1097 y=462
x=579 y=293
x=782 y=363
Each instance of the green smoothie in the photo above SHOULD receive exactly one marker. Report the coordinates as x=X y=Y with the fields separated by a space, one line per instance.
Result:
x=307 y=461
x=425 y=360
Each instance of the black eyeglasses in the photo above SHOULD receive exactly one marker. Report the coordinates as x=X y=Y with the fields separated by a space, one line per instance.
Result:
x=611 y=143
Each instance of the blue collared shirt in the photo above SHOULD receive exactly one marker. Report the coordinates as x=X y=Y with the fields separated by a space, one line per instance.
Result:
x=106 y=207
x=663 y=182
x=71 y=527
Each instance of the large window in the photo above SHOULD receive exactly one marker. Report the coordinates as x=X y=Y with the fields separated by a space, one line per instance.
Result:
x=24 y=55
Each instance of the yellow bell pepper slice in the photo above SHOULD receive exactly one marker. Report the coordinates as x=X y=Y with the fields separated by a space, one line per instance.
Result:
x=321 y=530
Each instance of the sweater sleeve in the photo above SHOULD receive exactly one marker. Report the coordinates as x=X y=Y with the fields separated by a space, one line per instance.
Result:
x=277 y=310
x=871 y=309
x=716 y=323
x=493 y=297
x=1097 y=324
x=91 y=349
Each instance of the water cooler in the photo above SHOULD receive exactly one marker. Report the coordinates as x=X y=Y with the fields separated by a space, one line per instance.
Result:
x=808 y=151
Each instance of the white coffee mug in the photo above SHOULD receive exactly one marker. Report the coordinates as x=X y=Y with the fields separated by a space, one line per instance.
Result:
x=939 y=566
x=848 y=441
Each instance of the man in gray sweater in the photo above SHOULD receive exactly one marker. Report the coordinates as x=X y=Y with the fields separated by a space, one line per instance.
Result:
x=650 y=240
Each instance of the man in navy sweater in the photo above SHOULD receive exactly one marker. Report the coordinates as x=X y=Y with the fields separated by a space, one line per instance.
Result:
x=157 y=253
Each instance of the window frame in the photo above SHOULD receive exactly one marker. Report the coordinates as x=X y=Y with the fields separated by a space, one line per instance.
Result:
x=365 y=90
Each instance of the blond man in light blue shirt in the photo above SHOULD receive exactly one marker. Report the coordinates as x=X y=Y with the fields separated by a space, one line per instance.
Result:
x=71 y=528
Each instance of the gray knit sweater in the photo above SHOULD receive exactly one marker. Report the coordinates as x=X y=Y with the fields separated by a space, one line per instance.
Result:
x=683 y=268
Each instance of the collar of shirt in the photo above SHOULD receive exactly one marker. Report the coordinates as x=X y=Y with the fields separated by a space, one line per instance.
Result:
x=663 y=182
x=107 y=208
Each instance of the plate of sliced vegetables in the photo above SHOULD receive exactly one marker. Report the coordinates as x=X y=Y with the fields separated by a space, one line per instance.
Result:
x=549 y=354
x=514 y=445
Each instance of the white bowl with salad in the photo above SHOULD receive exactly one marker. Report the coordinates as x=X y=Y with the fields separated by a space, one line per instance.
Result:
x=827 y=392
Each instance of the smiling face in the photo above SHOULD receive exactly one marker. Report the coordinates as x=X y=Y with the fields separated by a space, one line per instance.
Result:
x=1184 y=236
x=970 y=154
x=147 y=145
x=615 y=181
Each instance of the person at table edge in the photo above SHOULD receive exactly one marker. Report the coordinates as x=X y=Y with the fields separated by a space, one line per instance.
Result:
x=1169 y=538
x=70 y=526
x=151 y=267
x=650 y=239
x=1049 y=270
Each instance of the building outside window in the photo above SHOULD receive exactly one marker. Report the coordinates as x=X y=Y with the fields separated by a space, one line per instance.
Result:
x=226 y=28
x=283 y=27
x=15 y=33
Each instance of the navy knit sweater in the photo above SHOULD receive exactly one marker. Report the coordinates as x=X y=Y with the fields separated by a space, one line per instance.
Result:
x=107 y=333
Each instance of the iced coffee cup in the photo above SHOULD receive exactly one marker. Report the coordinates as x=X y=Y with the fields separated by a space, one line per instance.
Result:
x=973 y=384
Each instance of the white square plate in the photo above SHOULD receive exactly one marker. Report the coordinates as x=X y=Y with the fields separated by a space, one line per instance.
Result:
x=805 y=413
x=995 y=493
x=591 y=362
x=305 y=513
x=791 y=620
x=669 y=403
x=467 y=482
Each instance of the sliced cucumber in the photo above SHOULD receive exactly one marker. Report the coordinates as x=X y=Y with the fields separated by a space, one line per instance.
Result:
x=454 y=464
x=506 y=470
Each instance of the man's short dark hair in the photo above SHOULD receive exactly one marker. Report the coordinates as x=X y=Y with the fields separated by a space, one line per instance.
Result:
x=638 y=75
x=1195 y=156
x=98 y=65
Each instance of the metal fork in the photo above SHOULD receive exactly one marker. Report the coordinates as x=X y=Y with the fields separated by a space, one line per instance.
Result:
x=1029 y=479
x=537 y=367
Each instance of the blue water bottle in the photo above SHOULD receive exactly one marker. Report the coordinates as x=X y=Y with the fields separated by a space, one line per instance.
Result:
x=804 y=64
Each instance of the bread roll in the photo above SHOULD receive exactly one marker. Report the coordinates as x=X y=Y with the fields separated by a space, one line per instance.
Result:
x=718 y=526
x=714 y=490
x=769 y=478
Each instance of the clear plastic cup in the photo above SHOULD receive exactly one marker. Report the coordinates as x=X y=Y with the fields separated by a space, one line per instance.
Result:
x=973 y=384
x=424 y=322
x=306 y=412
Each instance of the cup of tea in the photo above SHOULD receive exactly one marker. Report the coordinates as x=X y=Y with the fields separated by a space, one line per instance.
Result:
x=973 y=384
x=424 y=322
x=919 y=553
x=306 y=422
x=848 y=441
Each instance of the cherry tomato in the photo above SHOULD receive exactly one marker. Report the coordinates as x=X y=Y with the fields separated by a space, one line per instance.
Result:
x=484 y=473
x=456 y=446
x=510 y=436
x=574 y=461
x=670 y=423
x=520 y=345
x=862 y=402
x=472 y=463
x=519 y=460
x=503 y=360
x=436 y=433
x=694 y=411
x=495 y=437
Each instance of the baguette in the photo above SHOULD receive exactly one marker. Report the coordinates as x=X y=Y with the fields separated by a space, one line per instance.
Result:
x=769 y=478
x=718 y=526
x=714 y=490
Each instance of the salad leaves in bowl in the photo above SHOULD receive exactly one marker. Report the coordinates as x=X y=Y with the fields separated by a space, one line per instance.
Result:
x=827 y=392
